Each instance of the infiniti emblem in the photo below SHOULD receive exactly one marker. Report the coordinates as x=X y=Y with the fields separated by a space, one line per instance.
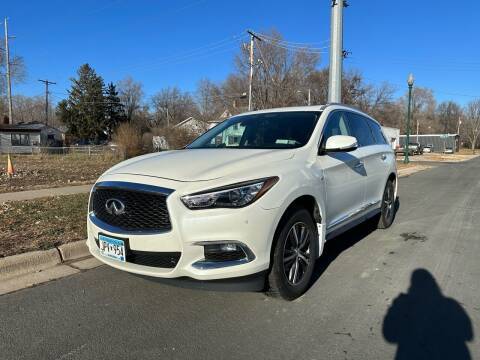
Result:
x=114 y=207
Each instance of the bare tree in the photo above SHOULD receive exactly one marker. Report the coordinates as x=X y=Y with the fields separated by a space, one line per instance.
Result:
x=472 y=122
x=172 y=106
x=209 y=100
x=131 y=94
x=449 y=113
x=280 y=73
x=18 y=71
x=29 y=109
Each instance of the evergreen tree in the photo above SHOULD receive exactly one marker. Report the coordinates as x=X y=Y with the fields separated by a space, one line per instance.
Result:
x=114 y=111
x=84 y=110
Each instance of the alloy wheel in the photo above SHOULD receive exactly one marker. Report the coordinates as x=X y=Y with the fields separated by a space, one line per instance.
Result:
x=388 y=201
x=296 y=254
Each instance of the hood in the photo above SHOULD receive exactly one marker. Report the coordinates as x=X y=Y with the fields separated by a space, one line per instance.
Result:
x=199 y=164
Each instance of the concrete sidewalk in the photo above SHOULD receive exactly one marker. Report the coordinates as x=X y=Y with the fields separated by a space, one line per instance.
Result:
x=35 y=194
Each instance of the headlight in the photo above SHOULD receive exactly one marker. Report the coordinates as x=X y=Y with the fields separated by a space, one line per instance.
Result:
x=232 y=196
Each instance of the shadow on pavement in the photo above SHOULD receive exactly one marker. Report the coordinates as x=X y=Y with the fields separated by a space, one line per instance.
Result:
x=334 y=247
x=427 y=325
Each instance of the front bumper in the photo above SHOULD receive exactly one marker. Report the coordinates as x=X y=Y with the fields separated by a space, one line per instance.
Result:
x=253 y=226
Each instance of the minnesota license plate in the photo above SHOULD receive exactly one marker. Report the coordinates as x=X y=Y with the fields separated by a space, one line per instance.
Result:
x=112 y=248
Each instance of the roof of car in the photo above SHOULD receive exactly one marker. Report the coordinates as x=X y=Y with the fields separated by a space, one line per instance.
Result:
x=302 y=108
x=309 y=108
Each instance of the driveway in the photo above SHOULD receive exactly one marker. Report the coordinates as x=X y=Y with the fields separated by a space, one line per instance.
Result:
x=412 y=291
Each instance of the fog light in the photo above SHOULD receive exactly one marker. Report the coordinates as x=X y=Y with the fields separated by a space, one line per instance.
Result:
x=222 y=254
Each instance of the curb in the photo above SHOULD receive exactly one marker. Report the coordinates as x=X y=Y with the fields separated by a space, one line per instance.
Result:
x=412 y=170
x=74 y=250
x=35 y=261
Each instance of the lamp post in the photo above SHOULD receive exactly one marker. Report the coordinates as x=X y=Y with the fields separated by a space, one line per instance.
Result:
x=406 y=148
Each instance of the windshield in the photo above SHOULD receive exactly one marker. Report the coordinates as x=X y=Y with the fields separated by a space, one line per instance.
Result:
x=282 y=130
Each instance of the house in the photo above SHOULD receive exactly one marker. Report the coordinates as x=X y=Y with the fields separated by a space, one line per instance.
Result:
x=192 y=125
x=27 y=138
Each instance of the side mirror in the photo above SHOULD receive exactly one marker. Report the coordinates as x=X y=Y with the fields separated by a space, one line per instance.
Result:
x=341 y=143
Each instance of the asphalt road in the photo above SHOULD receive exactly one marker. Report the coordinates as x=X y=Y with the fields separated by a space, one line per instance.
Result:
x=427 y=265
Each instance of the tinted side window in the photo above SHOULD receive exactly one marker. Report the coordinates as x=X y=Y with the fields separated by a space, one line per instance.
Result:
x=360 y=129
x=377 y=132
x=336 y=125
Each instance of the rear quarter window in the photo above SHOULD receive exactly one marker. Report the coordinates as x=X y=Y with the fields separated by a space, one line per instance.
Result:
x=359 y=129
x=377 y=132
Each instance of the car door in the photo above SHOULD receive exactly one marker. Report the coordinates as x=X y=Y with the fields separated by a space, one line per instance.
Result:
x=344 y=176
x=374 y=157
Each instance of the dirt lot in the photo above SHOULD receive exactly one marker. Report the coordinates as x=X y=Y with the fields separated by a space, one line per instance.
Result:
x=42 y=224
x=46 y=171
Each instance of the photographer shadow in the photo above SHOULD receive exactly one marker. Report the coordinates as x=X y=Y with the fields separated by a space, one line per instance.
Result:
x=427 y=325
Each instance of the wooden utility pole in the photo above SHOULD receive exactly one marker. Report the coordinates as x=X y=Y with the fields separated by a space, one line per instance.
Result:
x=250 y=82
x=46 y=82
x=9 y=82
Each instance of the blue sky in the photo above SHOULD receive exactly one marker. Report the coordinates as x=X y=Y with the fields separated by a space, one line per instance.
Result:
x=176 y=43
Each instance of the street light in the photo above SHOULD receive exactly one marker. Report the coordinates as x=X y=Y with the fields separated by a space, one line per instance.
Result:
x=406 y=148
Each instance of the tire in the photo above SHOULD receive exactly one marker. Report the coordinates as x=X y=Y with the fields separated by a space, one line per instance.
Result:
x=294 y=254
x=388 y=207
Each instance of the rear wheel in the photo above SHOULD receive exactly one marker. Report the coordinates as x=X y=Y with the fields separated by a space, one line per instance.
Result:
x=388 y=207
x=294 y=255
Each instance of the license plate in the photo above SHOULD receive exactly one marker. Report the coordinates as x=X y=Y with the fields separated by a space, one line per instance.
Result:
x=112 y=248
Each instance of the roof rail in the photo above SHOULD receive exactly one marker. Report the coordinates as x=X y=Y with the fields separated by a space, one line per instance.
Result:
x=345 y=105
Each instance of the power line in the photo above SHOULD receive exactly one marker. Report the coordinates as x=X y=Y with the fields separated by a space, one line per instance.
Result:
x=299 y=48
x=182 y=56
x=292 y=43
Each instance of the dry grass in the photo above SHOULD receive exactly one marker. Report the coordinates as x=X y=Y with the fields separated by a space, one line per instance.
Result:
x=456 y=157
x=46 y=171
x=42 y=223
x=402 y=165
x=129 y=139
x=465 y=151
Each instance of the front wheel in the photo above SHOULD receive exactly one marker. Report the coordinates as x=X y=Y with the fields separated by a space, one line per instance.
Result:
x=388 y=207
x=294 y=255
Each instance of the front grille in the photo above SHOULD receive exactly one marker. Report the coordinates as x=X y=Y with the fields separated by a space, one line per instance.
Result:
x=143 y=210
x=147 y=258
x=154 y=259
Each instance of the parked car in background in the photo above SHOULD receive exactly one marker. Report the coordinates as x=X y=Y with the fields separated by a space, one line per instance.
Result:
x=428 y=148
x=448 y=150
x=401 y=150
x=416 y=147
x=255 y=211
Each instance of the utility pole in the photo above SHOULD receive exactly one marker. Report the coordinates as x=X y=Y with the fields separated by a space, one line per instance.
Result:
x=46 y=82
x=250 y=82
x=336 y=52
x=309 y=97
x=9 y=82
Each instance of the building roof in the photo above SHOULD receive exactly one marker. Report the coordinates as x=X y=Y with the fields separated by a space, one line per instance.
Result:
x=25 y=127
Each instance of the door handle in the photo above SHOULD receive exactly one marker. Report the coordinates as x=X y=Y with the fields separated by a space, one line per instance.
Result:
x=384 y=157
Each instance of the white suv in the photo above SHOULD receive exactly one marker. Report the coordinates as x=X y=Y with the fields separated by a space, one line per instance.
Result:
x=253 y=199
